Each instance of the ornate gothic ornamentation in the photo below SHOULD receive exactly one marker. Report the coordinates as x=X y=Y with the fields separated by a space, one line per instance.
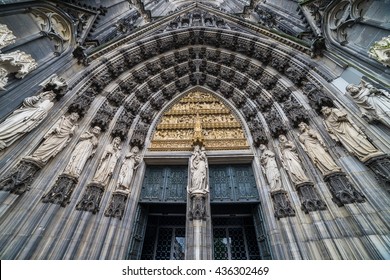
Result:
x=18 y=63
x=380 y=51
x=317 y=98
x=381 y=167
x=220 y=128
x=117 y=205
x=6 y=36
x=310 y=200
x=56 y=84
x=295 y=112
x=104 y=116
x=197 y=208
x=139 y=135
x=91 y=198
x=258 y=134
x=62 y=190
x=19 y=179
x=276 y=125
x=55 y=27
x=282 y=205
x=342 y=190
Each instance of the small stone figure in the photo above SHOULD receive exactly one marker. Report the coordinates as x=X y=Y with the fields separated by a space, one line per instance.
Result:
x=56 y=139
x=341 y=129
x=291 y=161
x=373 y=103
x=130 y=164
x=26 y=118
x=107 y=162
x=316 y=149
x=270 y=169
x=84 y=149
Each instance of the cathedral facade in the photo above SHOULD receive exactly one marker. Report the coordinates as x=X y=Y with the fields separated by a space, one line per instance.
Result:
x=195 y=130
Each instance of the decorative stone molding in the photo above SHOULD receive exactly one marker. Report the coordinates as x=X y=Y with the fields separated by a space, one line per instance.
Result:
x=6 y=36
x=104 y=116
x=197 y=209
x=380 y=51
x=122 y=125
x=56 y=84
x=16 y=62
x=275 y=123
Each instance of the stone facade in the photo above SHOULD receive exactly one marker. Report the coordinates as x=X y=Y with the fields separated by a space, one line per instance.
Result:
x=121 y=71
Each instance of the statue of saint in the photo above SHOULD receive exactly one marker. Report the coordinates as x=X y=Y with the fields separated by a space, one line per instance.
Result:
x=373 y=103
x=24 y=119
x=130 y=164
x=107 y=162
x=341 y=129
x=316 y=149
x=57 y=138
x=291 y=161
x=270 y=169
x=198 y=168
x=84 y=149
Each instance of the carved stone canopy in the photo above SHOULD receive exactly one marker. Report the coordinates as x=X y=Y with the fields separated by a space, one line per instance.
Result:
x=198 y=116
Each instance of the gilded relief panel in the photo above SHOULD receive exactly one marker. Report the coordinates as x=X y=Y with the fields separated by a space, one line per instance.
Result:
x=201 y=117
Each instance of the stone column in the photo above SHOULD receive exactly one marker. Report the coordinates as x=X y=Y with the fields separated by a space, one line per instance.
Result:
x=198 y=225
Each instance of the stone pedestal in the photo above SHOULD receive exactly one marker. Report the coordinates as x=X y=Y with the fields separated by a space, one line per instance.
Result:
x=91 y=198
x=19 y=179
x=342 y=190
x=62 y=190
x=309 y=198
x=282 y=205
x=117 y=204
x=380 y=165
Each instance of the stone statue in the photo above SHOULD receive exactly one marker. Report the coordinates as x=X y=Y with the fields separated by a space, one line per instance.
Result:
x=24 y=119
x=6 y=36
x=56 y=139
x=343 y=130
x=130 y=164
x=270 y=169
x=373 y=103
x=107 y=162
x=291 y=161
x=198 y=168
x=316 y=149
x=84 y=149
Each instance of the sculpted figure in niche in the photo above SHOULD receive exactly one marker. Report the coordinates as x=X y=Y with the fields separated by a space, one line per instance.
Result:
x=198 y=168
x=373 y=103
x=291 y=161
x=130 y=164
x=83 y=151
x=316 y=149
x=343 y=130
x=24 y=119
x=270 y=169
x=56 y=139
x=107 y=162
